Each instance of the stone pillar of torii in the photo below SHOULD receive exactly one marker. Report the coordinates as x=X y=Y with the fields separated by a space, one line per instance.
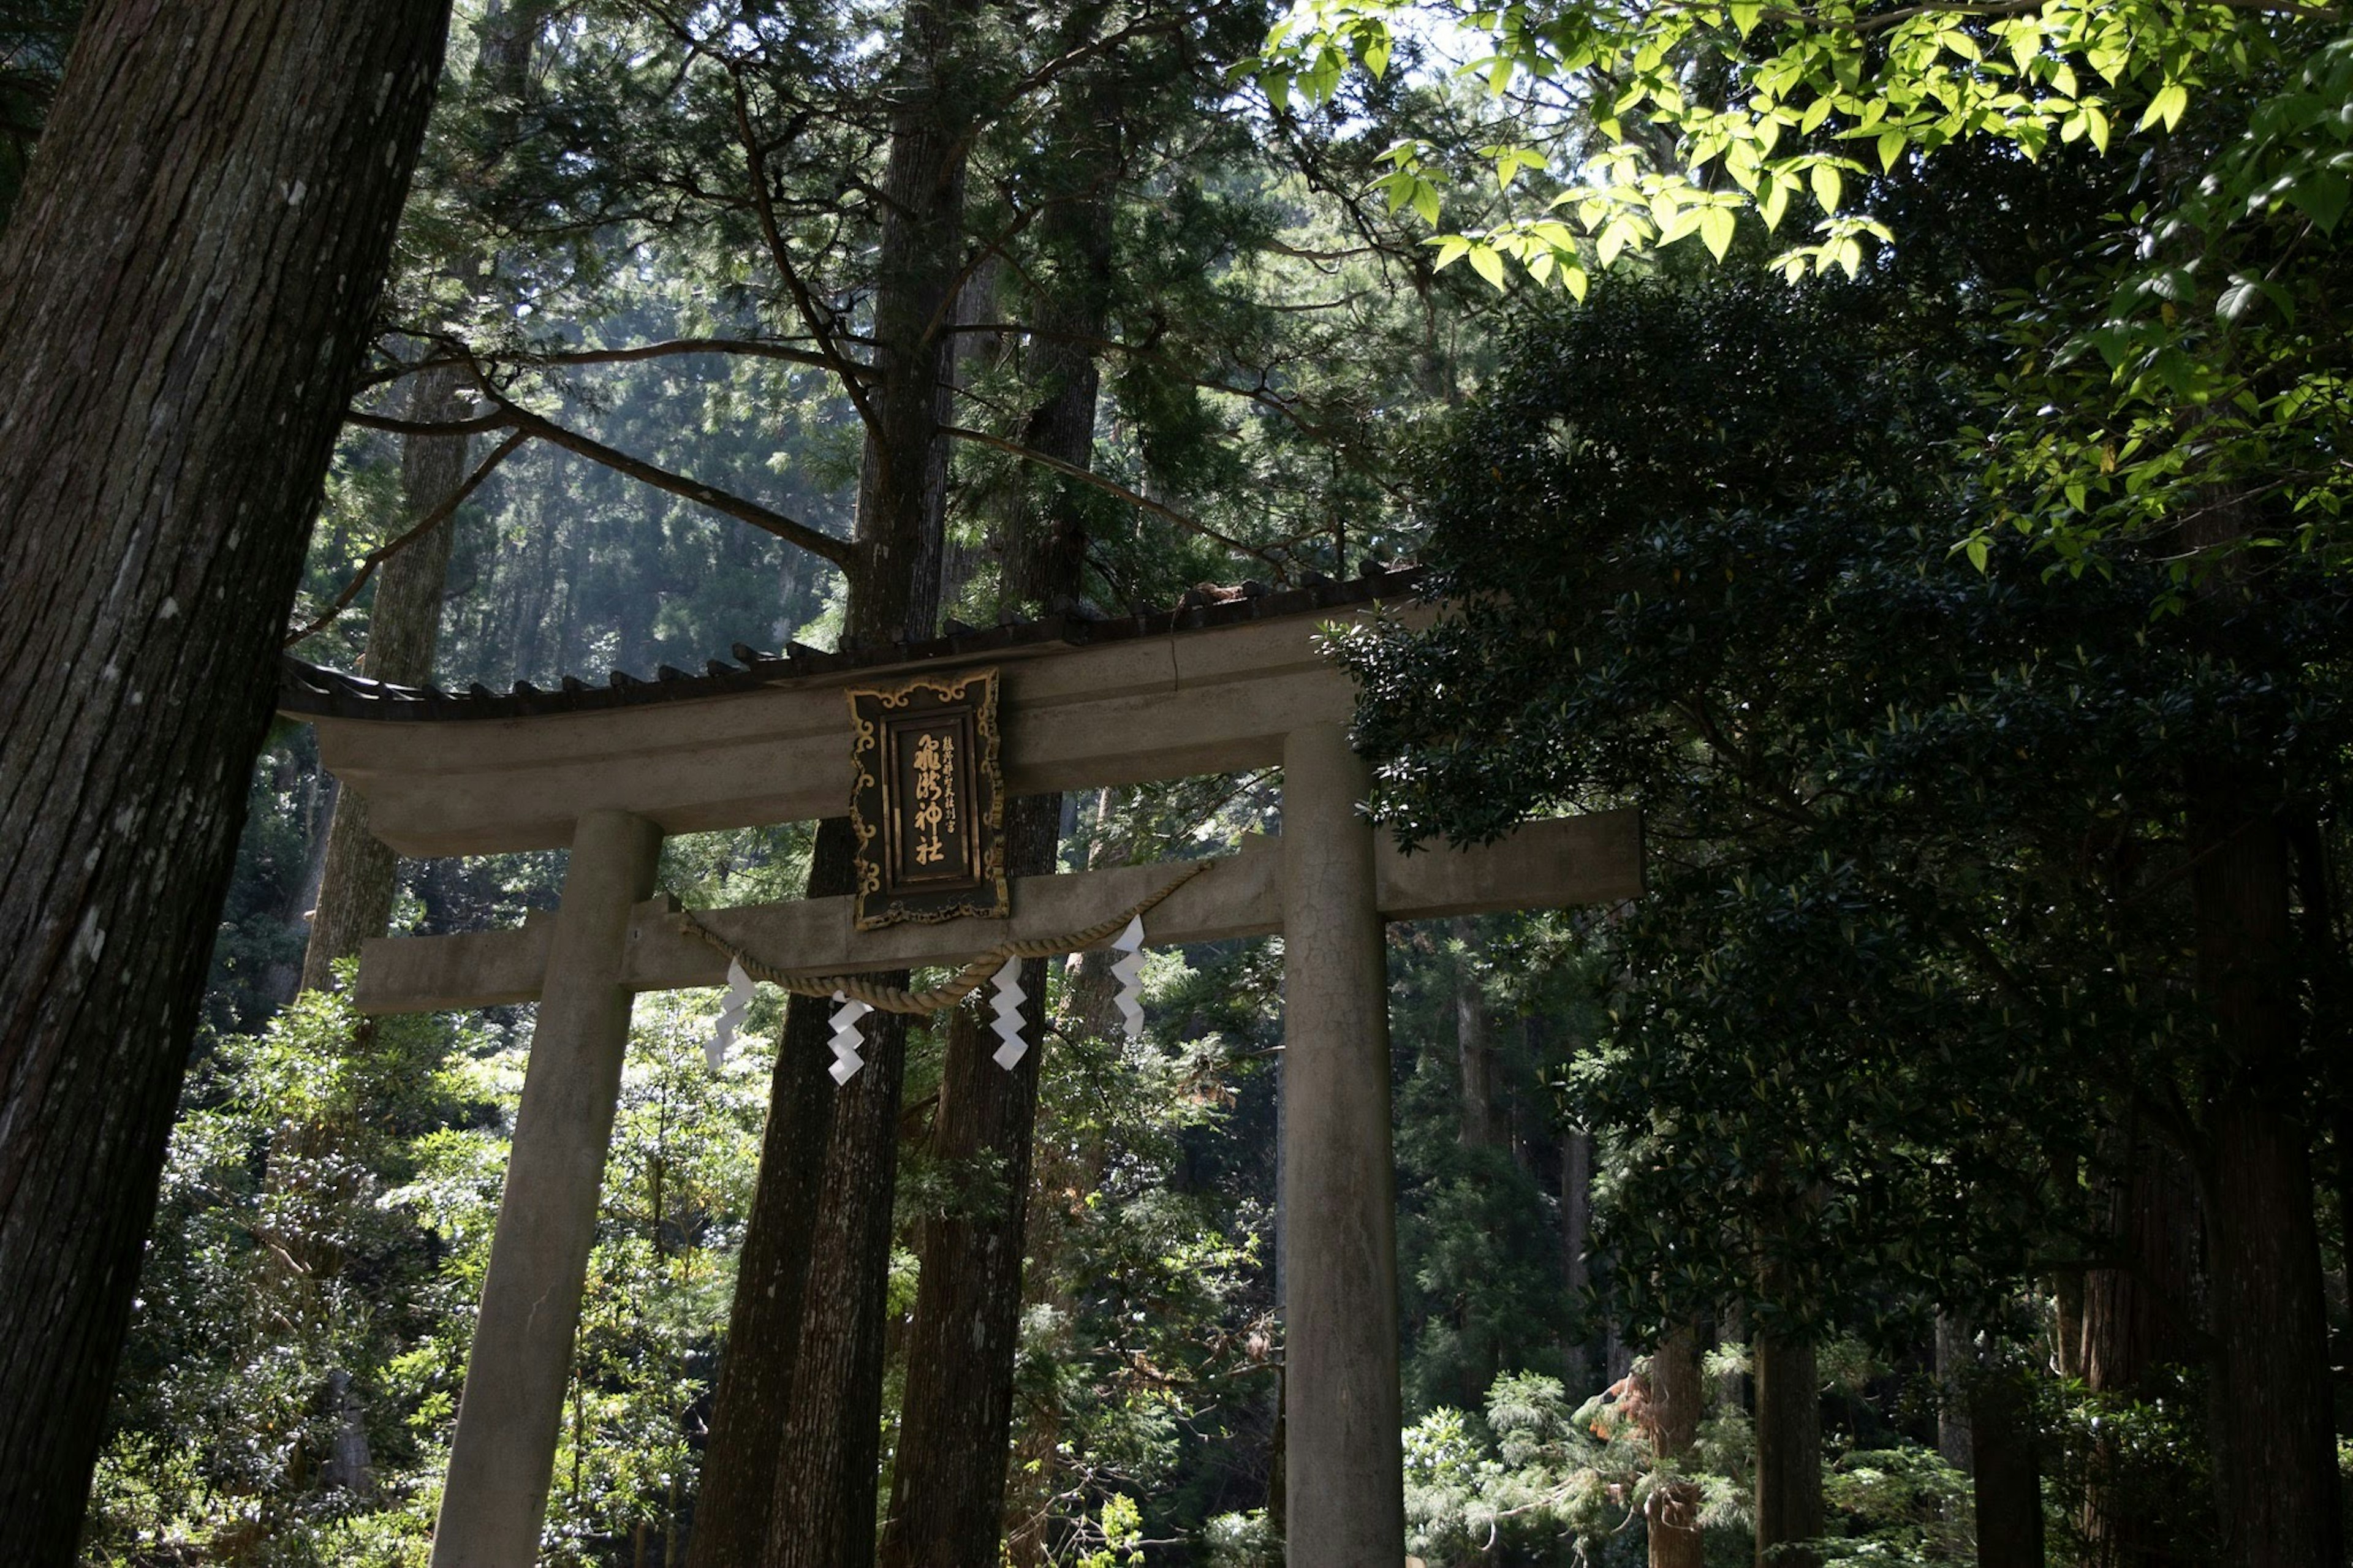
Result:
x=608 y=771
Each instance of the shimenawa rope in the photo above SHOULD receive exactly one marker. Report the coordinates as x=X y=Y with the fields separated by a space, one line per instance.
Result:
x=969 y=979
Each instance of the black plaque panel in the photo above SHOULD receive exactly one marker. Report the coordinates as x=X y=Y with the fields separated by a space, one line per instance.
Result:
x=928 y=801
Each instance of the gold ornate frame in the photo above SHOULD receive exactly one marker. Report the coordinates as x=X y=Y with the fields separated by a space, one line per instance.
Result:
x=984 y=895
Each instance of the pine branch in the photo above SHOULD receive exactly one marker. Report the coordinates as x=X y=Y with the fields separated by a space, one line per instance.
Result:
x=841 y=552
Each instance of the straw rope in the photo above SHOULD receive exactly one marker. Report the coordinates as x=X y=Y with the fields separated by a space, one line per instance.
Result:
x=967 y=980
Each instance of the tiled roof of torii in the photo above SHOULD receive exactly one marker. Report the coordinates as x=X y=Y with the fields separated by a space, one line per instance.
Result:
x=312 y=690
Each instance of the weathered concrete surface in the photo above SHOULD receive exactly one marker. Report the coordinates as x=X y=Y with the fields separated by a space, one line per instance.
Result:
x=508 y=1420
x=1199 y=702
x=1545 y=865
x=1346 y=1499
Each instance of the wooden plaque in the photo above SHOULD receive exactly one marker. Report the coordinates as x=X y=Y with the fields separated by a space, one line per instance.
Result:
x=928 y=801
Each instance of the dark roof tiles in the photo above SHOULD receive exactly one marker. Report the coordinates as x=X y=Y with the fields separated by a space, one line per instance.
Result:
x=310 y=690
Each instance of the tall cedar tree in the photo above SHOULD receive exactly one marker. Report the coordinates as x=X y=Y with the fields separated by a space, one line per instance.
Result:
x=948 y=1496
x=185 y=293
x=789 y=1477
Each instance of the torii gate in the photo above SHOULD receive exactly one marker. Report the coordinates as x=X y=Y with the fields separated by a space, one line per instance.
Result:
x=1211 y=687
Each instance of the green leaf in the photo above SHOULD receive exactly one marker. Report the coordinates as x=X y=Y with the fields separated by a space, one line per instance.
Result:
x=2320 y=196
x=2167 y=106
x=1891 y=148
x=1829 y=186
x=1776 y=203
x=2240 y=297
x=1715 y=229
x=1977 y=552
x=1488 y=265
x=1573 y=278
x=1425 y=200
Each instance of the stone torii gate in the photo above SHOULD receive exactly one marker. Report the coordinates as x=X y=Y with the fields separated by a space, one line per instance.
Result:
x=1211 y=687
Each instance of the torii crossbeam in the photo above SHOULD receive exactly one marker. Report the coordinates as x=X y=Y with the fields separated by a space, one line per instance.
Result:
x=1212 y=686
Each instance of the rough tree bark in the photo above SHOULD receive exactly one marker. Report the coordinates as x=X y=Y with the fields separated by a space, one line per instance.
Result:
x=2002 y=1454
x=185 y=293
x=789 y=1475
x=2137 y=1312
x=947 y=1498
x=1676 y=1393
x=1789 y=1452
x=2275 y=1435
x=355 y=892
x=2277 y=1444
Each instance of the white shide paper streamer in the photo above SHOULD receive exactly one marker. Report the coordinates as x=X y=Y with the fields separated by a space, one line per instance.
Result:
x=1006 y=1005
x=1129 y=972
x=737 y=1002
x=846 y=1039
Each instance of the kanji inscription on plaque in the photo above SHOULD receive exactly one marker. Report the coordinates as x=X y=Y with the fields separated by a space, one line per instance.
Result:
x=928 y=800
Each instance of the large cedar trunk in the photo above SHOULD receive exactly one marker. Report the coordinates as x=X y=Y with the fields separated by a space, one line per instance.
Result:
x=947 y=1499
x=2003 y=1455
x=2275 y=1435
x=185 y=293
x=355 y=892
x=795 y=1442
x=763 y=1323
x=2137 y=1316
x=1789 y=1452
x=1676 y=1393
x=948 y=1496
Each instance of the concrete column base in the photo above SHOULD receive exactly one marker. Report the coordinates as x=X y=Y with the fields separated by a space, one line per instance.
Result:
x=504 y=1454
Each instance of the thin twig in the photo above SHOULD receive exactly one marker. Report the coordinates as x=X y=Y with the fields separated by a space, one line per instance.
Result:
x=390 y=548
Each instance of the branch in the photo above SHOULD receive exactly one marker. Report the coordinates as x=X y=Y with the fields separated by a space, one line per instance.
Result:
x=665 y=349
x=756 y=165
x=841 y=551
x=474 y=427
x=390 y=548
x=1110 y=487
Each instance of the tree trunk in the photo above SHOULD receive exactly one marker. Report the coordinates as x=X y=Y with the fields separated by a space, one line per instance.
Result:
x=1482 y=1125
x=821 y=1514
x=1789 y=1452
x=1676 y=1393
x=2277 y=1447
x=754 y=1396
x=2009 y=1472
x=1575 y=1230
x=355 y=892
x=947 y=1499
x=185 y=293
x=813 y=1476
x=1956 y=1358
x=2136 y=1314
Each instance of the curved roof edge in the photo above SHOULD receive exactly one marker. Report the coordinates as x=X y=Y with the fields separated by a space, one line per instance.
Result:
x=310 y=690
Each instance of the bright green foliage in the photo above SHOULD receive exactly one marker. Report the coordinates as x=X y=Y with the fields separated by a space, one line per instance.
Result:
x=1702 y=112
x=327 y=1215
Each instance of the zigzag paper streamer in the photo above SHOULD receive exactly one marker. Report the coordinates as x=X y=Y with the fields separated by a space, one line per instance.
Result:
x=846 y=1039
x=730 y=1013
x=1006 y=1005
x=1129 y=972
